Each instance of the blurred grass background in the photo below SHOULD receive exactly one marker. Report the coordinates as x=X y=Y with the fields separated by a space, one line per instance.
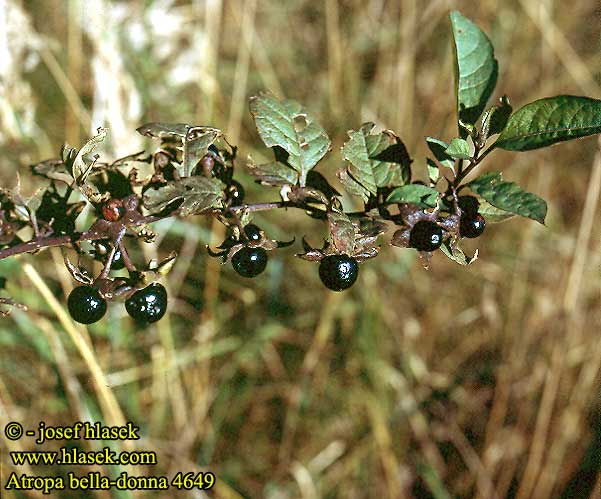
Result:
x=475 y=382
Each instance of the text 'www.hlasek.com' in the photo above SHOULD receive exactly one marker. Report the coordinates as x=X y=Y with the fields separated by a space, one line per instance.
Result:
x=96 y=448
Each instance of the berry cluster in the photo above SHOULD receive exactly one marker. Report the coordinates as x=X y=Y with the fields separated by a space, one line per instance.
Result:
x=125 y=204
x=191 y=172
x=246 y=247
x=428 y=235
x=87 y=305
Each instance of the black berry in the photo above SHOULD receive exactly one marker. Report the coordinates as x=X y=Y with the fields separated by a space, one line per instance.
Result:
x=252 y=232
x=149 y=304
x=113 y=182
x=235 y=192
x=101 y=253
x=338 y=272
x=425 y=236
x=471 y=225
x=468 y=204
x=249 y=262
x=86 y=305
x=118 y=262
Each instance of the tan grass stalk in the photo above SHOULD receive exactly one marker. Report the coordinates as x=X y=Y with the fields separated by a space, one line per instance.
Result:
x=238 y=104
x=406 y=70
x=74 y=66
x=335 y=51
x=582 y=249
x=63 y=82
x=562 y=47
x=323 y=331
x=108 y=402
x=260 y=57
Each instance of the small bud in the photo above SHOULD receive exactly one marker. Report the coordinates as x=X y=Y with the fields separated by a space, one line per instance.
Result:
x=113 y=210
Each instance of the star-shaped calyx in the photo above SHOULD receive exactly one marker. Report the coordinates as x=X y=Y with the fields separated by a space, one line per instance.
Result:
x=355 y=238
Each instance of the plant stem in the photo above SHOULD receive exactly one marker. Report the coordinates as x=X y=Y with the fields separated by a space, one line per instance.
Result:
x=117 y=244
x=129 y=265
x=107 y=266
x=93 y=235
x=474 y=162
x=48 y=242
x=263 y=206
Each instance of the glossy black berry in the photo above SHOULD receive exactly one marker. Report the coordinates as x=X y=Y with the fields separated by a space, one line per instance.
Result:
x=338 y=272
x=147 y=305
x=101 y=253
x=114 y=182
x=252 y=232
x=468 y=204
x=86 y=305
x=118 y=262
x=249 y=262
x=471 y=225
x=425 y=236
x=235 y=192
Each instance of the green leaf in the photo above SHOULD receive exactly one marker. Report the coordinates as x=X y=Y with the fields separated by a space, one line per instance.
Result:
x=317 y=181
x=433 y=171
x=342 y=232
x=164 y=130
x=376 y=160
x=16 y=208
x=475 y=68
x=438 y=148
x=496 y=118
x=53 y=169
x=302 y=195
x=470 y=129
x=458 y=149
x=163 y=267
x=457 y=255
x=396 y=153
x=352 y=185
x=194 y=140
x=492 y=214
x=196 y=145
x=420 y=195
x=509 y=197
x=547 y=121
x=287 y=124
x=82 y=165
x=68 y=154
x=274 y=173
x=196 y=194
